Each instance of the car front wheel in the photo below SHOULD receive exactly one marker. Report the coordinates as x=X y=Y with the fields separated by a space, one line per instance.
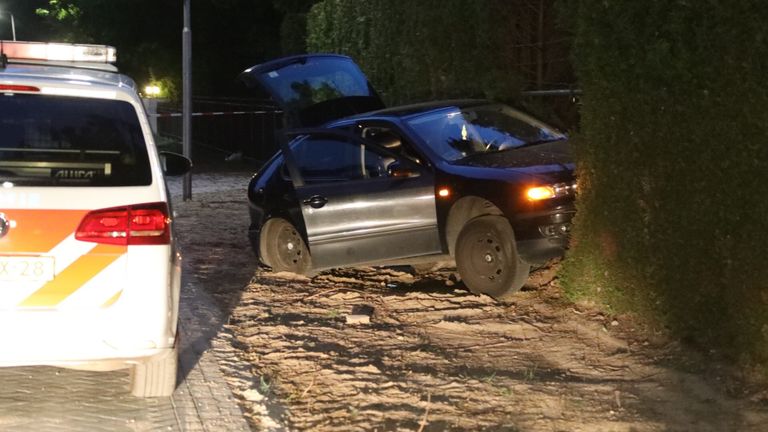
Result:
x=284 y=248
x=487 y=259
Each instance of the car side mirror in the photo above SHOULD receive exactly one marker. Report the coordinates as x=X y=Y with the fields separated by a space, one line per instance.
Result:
x=174 y=164
x=397 y=169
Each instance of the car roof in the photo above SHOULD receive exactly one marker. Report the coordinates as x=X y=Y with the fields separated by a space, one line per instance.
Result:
x=417 y=109
x=70 y=73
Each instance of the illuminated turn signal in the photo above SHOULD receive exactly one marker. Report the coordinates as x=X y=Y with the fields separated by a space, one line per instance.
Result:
x=443 y=192
x=540 y=193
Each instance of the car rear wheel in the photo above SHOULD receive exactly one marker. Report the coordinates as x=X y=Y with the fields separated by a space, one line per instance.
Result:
x=487 y=259
x=284 y=248
x=157 y=376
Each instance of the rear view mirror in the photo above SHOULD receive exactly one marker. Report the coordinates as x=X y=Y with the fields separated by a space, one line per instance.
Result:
x=174 y=164
x=397 y=169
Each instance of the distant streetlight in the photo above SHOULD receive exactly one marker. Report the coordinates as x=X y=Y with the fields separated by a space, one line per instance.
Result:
x=152 y=90
x=13 y=24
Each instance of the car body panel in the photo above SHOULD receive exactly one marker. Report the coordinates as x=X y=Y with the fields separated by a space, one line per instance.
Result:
x=388 y=219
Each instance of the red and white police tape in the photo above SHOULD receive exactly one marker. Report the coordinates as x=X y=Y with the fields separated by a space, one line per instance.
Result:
x=212 y=113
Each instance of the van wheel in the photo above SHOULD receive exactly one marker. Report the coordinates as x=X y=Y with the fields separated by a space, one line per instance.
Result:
x=284 y=248
x=487 y=259
x=157 y=376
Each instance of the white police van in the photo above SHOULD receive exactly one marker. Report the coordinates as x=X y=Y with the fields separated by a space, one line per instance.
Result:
x=89 y=273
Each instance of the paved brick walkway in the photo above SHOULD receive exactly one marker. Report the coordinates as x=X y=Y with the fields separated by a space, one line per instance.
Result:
x=51 y=399
x=203 y=400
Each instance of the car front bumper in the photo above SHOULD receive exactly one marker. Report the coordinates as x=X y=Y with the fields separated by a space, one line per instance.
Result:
x=542 y=236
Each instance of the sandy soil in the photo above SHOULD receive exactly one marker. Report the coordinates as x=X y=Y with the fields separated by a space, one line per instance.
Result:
x=389 y=349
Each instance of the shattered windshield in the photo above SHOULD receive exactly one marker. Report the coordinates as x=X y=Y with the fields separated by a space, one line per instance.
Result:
x=456 y=133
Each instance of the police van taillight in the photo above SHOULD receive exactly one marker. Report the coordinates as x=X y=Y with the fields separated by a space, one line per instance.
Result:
x=142 y=224
x=5 y=88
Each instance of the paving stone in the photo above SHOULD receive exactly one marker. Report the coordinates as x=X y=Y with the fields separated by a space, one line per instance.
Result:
x=44 y=399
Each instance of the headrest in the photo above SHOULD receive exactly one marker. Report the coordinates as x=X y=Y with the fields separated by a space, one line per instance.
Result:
x=385 y=139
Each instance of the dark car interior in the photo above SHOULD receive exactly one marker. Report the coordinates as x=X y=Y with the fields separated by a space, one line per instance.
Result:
x=389 y=139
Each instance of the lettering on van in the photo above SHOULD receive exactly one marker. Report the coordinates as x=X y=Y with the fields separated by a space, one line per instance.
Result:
x=76 y=174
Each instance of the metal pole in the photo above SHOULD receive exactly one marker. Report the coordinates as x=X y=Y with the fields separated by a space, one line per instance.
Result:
x=187 y=97
x=540 y=51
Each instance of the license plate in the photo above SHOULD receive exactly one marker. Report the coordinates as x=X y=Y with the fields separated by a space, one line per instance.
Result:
x=23 y=269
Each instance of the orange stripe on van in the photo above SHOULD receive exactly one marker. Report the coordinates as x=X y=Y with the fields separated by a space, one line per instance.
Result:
x=38 y=231
x=74 y=277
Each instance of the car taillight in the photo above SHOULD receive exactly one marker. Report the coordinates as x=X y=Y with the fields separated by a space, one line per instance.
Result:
x=141 y=224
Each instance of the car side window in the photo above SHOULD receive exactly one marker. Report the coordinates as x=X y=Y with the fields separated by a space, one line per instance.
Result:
x=390 y=139
x=325 y=160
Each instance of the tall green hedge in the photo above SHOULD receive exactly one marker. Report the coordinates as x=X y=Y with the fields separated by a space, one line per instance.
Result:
x=429 y=49
x=673 y=166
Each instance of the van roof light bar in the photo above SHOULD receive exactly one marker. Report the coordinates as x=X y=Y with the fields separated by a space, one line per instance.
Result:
x=63 y=52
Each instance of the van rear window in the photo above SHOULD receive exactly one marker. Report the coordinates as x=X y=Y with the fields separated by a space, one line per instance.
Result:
x=68 y=141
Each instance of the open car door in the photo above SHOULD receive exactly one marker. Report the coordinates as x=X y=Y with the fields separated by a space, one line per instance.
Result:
x=360 y=203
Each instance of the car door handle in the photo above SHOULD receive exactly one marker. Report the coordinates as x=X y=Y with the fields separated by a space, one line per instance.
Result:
x=316 y=201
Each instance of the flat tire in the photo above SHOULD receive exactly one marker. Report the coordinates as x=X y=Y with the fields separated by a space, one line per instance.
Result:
x=487 y=258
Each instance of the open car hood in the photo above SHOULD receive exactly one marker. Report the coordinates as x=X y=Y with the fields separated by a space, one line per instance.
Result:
x=313 y=89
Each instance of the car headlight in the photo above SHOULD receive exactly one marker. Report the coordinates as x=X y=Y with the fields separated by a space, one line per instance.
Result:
x=557 y=190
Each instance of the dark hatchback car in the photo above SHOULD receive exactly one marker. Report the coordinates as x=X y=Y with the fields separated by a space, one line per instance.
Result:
x=357 y=183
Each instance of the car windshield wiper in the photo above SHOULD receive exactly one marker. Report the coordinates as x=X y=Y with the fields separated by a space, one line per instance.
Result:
x=537 y=142
x=477 y=155
x=496 y=150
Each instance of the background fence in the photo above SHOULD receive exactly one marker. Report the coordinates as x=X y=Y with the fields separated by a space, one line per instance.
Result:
x=222 y=128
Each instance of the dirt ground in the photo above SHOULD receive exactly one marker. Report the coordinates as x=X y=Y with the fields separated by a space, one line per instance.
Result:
x=389 y=349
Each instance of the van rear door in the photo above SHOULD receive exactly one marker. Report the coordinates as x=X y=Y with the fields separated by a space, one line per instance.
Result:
x=60 y=160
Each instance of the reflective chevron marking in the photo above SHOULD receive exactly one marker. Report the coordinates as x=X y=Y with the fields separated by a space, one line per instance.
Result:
x=64 y=254
x=73 y=277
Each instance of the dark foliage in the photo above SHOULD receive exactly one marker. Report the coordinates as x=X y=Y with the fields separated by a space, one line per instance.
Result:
x=430 y=49
x=227 y=35
x=673 y=162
